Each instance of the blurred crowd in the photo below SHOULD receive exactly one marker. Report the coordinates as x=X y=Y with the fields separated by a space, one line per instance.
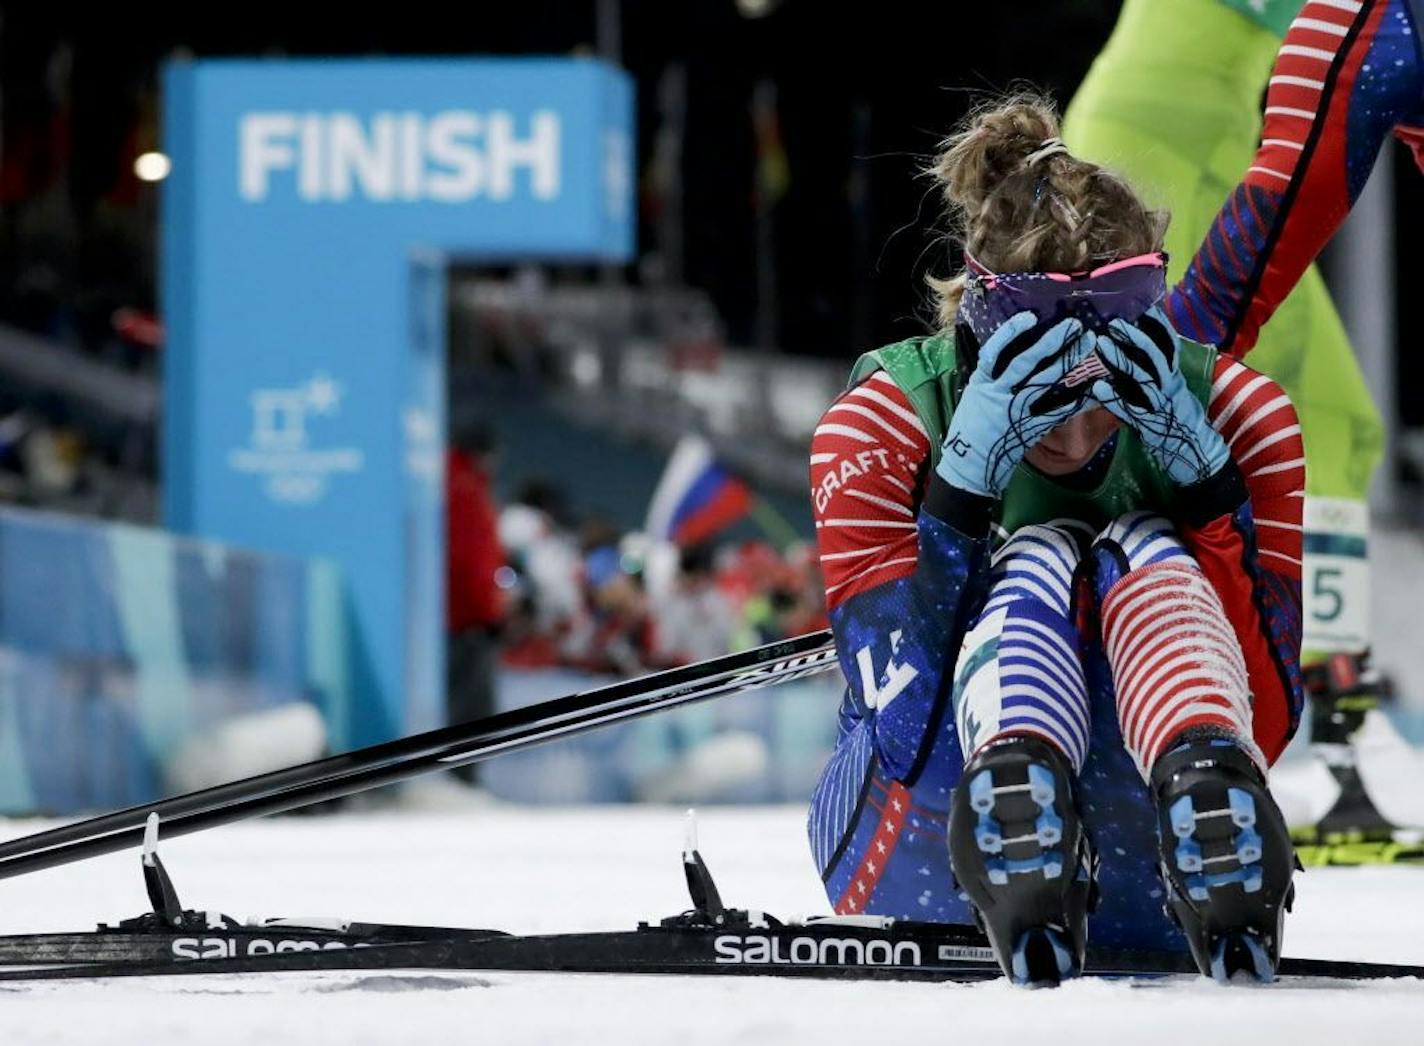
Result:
x=586 y=596
x=58 y=452
x=553 y=590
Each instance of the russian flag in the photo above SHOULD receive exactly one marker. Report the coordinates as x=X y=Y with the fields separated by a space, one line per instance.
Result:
x=696 y=497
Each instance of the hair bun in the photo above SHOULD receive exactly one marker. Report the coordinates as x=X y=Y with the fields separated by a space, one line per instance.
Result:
x=997 y=142
x=1019 y=201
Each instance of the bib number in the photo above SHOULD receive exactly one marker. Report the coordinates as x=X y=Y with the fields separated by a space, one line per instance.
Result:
x=1336 y=575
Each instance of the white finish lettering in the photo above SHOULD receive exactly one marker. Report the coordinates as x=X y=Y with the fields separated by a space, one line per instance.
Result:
x=412 y=156
x=266 y=146
x=311 y=172
x=539 y=152
x=356 y=157
x=449 y=143
x=445 y=157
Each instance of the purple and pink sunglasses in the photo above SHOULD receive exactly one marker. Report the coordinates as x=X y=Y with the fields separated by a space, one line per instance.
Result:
x=1119 y=290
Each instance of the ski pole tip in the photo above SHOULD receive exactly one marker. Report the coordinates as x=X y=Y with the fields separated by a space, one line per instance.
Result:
x=150 y=838
x=689 y=837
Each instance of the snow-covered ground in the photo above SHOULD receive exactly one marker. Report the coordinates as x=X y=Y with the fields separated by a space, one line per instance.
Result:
x=561 y=869
x=605 y=868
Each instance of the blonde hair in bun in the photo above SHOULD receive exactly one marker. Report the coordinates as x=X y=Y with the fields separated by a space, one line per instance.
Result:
x=1019 y=201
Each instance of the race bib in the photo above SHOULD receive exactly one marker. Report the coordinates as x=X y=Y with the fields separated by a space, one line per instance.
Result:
x=1336 y=575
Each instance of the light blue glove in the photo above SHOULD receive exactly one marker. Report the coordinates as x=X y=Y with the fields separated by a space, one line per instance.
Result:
x=1145 y=389
x=1014 y=398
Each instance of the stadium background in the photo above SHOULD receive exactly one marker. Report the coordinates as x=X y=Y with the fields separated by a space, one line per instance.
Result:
x=781 y=228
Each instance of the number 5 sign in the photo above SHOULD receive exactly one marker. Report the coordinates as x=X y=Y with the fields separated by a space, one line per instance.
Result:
x=1336 y=581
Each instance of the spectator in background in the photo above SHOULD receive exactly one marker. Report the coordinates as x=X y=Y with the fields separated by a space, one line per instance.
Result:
x=695 y=619
x=588 y=596
x=42 y=455
x=532 y=528
x=806 y=606
x=475 y=567
x=619 y=636
x=768 y=592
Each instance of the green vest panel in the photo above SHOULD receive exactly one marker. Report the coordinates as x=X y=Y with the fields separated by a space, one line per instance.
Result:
x=924 y=369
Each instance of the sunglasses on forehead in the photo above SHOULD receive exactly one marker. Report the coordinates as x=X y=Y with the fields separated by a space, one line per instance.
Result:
x=1119 y=290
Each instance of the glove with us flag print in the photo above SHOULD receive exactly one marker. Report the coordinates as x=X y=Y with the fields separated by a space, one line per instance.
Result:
x=1021 y=389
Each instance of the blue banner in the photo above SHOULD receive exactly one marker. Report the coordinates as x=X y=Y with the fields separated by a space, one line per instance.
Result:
x=306 y=222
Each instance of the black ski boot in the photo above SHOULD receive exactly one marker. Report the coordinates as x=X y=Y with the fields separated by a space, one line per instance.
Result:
x=1342 y=690
x=1226 y=857
x=1018 y=850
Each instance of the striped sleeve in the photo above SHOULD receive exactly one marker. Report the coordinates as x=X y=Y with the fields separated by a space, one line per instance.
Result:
x=1252 y=554
x=1259 y=423
x=868 y=459
x=1347 y=76
x=900 y=581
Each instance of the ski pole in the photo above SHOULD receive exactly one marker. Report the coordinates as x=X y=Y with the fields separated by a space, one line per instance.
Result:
x=441 y=749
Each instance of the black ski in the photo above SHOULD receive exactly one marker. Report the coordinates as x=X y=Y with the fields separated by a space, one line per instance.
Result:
x=744 y=944
x=711 y=939
x=207 y=936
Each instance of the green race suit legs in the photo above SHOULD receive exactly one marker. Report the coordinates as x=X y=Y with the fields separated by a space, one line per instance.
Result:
x=1173 y=103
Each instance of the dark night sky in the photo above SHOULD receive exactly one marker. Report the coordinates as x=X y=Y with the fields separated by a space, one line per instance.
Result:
x=864 y=92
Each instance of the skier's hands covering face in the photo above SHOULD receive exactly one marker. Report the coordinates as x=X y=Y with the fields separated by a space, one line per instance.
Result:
x=1144 y=387
x=1030 y=378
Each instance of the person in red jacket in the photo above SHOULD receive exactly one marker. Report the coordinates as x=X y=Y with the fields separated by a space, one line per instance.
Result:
x=474 y=558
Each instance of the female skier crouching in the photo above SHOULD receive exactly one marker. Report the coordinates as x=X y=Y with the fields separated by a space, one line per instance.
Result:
x=1062 y=557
